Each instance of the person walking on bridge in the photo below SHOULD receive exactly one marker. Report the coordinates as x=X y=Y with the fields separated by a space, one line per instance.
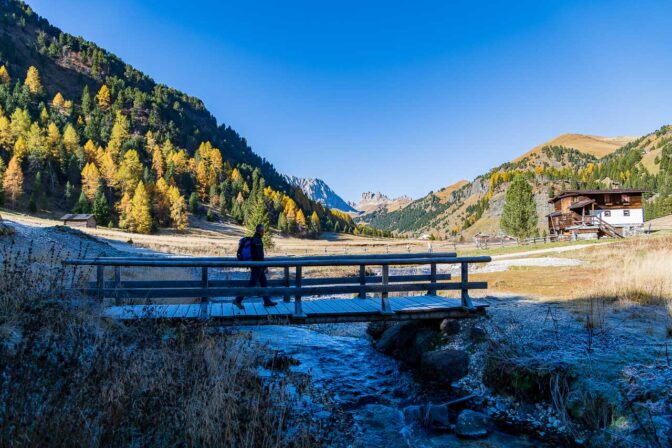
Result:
x=252 y=249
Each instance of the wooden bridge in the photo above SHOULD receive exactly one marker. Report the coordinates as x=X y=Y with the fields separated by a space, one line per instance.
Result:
x=315 y=300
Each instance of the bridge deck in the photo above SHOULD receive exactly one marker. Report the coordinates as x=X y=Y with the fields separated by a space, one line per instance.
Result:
x=322 y=310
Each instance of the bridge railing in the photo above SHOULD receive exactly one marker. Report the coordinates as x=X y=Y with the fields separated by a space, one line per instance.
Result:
x=288 y=285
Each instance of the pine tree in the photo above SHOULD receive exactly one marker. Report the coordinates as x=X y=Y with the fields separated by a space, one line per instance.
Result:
x=193 y=203
x=130 y=170
x=519 y=217
x=32 y=203
x=104 y=98
x=12 y=183
x=259 y=215
x=4 y=75
x=67 y=191
x=282 y=222
x=158 y=162
x=101 y=209
x=83 y=205
x=33 y=81
x=86 y=101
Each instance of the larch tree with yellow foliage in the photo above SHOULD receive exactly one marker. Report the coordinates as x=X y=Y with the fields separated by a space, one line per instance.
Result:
x=178 y=209
x=104 y=97
x=54 y=141
x=4 y=75
x=58 y=102
x=70 y=140
x=158 y=162
x=12 y=182
x=33 y=81
x=130 y=170
x=141 y=212
x=90 y=181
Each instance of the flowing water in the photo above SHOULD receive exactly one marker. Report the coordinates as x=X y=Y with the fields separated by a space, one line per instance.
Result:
x=371 y=389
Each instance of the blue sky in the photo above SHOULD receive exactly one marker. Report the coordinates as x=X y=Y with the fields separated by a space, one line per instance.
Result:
x=398 y=97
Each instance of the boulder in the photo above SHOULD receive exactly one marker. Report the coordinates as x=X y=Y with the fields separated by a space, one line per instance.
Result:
x=407 y=341
x=450 y=327
x=414 y=413
x=376 y=329
x=437 y=416
x=472 y=425
x=477 y=334
x=445 y=366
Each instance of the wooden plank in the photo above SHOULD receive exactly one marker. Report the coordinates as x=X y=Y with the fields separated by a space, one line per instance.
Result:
x=280 y=291
x=384 y=299
x=334 y=261
x=152 y=284
x=157 y=311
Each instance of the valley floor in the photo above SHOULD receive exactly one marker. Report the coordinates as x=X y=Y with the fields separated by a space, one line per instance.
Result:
x=596 y=315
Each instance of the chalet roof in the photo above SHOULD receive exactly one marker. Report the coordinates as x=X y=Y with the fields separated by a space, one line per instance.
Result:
x=76 y=217
x=553 y=214
x=568 y=193
x=581 y=204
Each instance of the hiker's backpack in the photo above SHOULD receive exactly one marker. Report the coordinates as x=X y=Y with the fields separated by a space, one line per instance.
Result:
x=245 y=249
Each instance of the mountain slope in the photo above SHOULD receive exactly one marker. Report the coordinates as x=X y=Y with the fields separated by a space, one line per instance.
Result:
x=75 y=120
x=476 y=207
x=318 y=191
x=590 y=144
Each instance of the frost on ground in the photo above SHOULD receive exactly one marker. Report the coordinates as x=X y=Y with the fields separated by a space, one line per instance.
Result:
x=595 y=371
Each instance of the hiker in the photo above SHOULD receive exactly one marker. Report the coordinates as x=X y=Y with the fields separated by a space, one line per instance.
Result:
x=252 y=249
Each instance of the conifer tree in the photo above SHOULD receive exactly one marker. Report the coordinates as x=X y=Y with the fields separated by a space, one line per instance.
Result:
x=130 y=170
x=259 y=215
x=101 y=209
x=519 y=217
x=83 y=205
x=67 y=191
x=193 y=203
x=70 y=140
x=33 y=81
x=6 y=140
x=315 y=224
x=140 y=217
x=178 y=209
x=12 y=182
x=90 y=181
x=104 y=98
x=58 y=102
x=158 y=162
x=85 y=104
x=4 y=75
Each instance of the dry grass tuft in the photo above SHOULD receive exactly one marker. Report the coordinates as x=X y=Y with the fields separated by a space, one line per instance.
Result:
x=72 y=378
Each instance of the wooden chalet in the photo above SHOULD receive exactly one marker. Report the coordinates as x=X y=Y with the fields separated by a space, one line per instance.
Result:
x=586 y=214
x=79 y=220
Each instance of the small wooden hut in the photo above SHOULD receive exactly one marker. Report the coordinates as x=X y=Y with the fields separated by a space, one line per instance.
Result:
x=79 y=220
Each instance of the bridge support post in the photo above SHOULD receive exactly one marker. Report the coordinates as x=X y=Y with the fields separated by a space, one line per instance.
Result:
x=285 y=283
x=204 y=299
x=362 y=280
x=464 y=282
x=385 y=301
x=432 y=279
x=298 y=306
x=117 y=284
x=100 y=281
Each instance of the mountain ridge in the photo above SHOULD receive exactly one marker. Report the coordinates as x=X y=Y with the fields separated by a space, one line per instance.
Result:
x=319 y=191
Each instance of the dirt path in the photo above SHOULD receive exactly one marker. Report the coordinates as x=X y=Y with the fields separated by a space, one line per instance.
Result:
x=550 y=250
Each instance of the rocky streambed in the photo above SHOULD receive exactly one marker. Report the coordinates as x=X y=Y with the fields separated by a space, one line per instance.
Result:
x=528 y=374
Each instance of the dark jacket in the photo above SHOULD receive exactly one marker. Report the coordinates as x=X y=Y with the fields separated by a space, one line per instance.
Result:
x=257 y=248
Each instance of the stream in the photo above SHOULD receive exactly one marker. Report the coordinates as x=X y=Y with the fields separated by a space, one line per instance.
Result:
x=370 y=388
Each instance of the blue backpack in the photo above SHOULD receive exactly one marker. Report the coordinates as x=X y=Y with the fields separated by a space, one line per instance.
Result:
x=245 y=249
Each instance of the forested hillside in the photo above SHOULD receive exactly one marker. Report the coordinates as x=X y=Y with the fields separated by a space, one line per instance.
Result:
x=81 y=130
x=645 y=162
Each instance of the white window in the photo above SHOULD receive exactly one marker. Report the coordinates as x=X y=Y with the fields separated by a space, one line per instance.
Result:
x=626 y=212
x=607 y=213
